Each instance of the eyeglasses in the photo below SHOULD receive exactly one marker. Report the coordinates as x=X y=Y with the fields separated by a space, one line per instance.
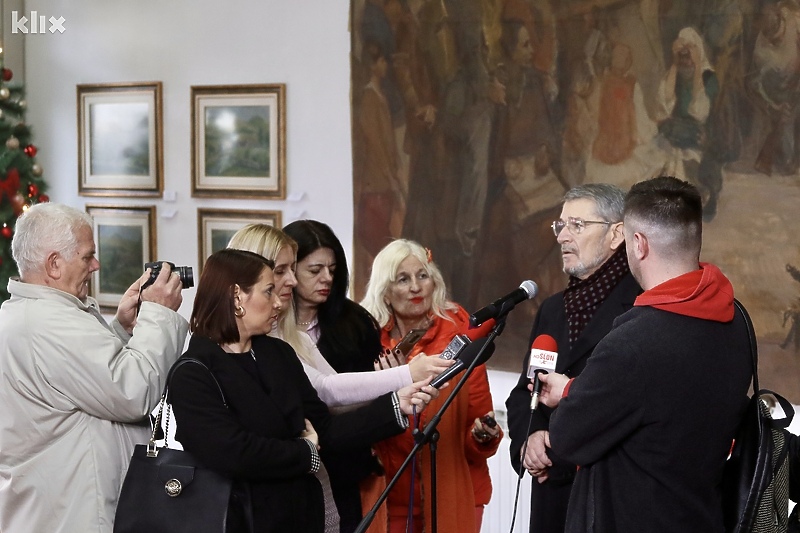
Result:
x=575 y=225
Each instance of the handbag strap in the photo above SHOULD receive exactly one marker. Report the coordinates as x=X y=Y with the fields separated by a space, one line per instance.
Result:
x=151 y=445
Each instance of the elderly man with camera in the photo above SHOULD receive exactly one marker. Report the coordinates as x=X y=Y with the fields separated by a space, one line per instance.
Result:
x=75 y=391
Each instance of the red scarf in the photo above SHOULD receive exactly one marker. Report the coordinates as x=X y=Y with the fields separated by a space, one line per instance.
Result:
x=705 y=293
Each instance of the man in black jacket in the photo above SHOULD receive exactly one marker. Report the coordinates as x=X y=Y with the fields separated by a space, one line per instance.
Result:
x=600 y=289
x=651 y=418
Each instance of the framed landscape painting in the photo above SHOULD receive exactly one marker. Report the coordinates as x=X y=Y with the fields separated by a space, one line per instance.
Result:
x=120 y=150
x=215 y=227
x=239 y=141
x=125 y=237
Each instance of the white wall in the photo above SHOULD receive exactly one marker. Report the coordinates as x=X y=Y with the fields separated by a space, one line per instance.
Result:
x=303 y=44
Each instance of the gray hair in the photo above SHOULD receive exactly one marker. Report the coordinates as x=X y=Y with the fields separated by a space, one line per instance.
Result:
x=609 y=199
x=43 y=229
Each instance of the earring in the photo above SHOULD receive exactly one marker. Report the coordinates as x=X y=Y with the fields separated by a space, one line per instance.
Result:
x=239 y=311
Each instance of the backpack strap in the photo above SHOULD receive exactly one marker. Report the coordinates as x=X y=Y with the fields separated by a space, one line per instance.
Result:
x=751 y=335
x=788 y=410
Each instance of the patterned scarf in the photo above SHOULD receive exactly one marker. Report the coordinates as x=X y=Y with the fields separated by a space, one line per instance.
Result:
x=582 y=297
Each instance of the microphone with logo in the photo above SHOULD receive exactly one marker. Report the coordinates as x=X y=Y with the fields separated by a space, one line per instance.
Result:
x=502 y=306
x=544 y=354
x=465 y=353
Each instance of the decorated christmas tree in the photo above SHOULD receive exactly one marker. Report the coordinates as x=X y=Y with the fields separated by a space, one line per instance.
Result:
x=21 y=182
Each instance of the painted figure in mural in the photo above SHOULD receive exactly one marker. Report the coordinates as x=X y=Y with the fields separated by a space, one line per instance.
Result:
x=622 y=152
x=377 y=27
x=727 y=32
x=776 y=83
x=528 y=148
x=424 y=64
x=617 y=132
x=792 y=313
x=685 y=97
x=380 y=193
x=417 y=42
x=580 y=124
x=472 y=102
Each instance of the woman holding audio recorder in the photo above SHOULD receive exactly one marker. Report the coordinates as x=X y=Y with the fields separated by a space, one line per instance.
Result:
x=406 y=292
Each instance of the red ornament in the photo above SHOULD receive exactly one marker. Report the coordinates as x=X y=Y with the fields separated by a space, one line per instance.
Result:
x=6 y=232
x=33 y=190
x=43 y=198
x=7 y=74
x=30 y=150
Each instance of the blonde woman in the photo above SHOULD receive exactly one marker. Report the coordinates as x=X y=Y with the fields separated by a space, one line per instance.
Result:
x=406 y=291
x=338 y=390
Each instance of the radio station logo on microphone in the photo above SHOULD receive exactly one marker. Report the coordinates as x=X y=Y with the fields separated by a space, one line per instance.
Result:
x=542 y=360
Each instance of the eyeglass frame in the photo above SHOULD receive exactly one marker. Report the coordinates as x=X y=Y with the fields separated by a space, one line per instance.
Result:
x=575 y=225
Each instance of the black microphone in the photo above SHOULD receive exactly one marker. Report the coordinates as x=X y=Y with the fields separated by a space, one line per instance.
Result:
x=526 y=291
x=468 y=354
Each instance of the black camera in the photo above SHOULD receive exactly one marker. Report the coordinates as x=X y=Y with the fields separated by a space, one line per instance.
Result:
x=185 y=272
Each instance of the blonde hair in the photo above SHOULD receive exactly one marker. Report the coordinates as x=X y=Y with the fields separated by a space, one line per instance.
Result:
x=268 y=241
x=384 y=273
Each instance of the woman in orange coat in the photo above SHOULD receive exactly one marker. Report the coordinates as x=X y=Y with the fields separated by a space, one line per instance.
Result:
x=406 y=291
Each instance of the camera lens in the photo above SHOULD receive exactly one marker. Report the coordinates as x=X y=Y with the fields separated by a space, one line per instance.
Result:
x=184 y=272
x=187 y=276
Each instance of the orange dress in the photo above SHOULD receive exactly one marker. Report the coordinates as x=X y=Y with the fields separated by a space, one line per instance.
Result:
x=462 y=473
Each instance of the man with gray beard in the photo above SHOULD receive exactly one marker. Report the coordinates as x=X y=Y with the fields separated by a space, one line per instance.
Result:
x=600 y=288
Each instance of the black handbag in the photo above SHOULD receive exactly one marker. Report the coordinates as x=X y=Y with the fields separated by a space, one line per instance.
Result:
x=755 y=482
x=167 y=490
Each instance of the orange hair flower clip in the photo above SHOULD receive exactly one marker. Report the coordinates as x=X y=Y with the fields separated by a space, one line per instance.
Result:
x=429 y=254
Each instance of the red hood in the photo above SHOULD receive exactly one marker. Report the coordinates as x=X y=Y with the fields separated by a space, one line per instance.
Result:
x=705 y=293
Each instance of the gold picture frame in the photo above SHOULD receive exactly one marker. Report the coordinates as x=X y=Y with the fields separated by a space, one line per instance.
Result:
x=215 y=227
x=120 y=139
x=239 y=141
x=125 y=237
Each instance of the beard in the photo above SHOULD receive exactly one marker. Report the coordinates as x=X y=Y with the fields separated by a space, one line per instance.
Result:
x=584 y=269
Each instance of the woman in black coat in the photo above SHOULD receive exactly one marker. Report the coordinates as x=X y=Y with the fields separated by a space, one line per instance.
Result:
x=268 y=437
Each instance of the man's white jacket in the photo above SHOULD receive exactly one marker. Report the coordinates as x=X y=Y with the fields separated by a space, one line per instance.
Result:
x=75 y=393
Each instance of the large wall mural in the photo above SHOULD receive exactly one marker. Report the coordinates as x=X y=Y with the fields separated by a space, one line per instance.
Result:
x=471 y=118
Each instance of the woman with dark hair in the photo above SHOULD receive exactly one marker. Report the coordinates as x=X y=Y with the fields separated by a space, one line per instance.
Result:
x=267 y=438
x=347 y=337
x=346 y=334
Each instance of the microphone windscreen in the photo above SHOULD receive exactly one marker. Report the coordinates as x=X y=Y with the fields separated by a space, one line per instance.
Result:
x=465 y=359
x=545 y=342
x=530 y=288
x=471 y=352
